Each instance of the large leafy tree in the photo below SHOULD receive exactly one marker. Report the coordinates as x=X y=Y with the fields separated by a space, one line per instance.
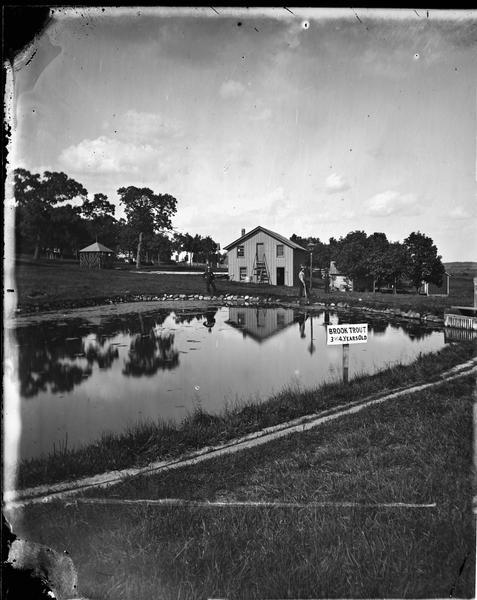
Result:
x=207 y=248
x=201 y=248
x=98 y=207
x=351 y=255
x=396 y=263
x=36 y=196
x=100 y=221
x=161 y=246
x=68 y=230
x=147 y=213
x=424 y=262
x=375 y=257
x=320 y=250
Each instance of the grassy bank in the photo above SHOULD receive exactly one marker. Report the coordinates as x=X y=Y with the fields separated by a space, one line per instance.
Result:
x=416 y=450
x=151 y=441
x=50 y=285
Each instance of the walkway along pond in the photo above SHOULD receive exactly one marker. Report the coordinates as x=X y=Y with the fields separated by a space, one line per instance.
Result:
x=80 y=378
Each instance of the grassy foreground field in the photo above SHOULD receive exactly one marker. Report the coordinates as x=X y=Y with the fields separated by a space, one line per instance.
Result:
x=46 y=285
x=151 y=441
x=417 y=450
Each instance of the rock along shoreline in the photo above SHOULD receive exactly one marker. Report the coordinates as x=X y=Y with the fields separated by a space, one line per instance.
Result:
x=199 y=300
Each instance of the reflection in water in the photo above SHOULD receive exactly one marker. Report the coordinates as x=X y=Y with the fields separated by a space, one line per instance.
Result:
x=51 y=363
x=88 y=377
x=210 y=319
x=260 y=323
x=149 y=353
x=451 y=334
x=414 y=330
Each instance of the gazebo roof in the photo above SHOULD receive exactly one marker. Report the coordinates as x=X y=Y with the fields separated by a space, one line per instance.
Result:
x=96 y=247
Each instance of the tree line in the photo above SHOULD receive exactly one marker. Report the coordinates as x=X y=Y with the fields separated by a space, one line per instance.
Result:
x=377 y=260
x=53 y=213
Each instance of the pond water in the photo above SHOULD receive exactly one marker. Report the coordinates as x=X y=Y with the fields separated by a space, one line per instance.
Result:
x=78 y=378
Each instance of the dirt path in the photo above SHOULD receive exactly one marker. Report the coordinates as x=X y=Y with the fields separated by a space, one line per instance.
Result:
x=45 y=493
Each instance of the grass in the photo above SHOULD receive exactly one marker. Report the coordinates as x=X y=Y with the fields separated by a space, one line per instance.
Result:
x=152 y=441
x=48 y=285
x=407 y=450
x=416 y=450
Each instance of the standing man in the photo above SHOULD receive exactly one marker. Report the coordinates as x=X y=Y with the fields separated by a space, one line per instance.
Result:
x=327 y=281
x=301 y=277
x=209 y=277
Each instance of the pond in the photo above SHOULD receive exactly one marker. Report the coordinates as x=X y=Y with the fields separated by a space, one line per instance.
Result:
x=79 y=378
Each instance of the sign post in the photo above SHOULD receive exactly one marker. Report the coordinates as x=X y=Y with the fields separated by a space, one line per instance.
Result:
x=345 y=362
x=344 y=335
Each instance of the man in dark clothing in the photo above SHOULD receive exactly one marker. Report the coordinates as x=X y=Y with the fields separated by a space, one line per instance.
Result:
x=209 y=277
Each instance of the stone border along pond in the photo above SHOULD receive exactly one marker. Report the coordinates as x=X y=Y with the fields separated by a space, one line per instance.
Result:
x=230 y=300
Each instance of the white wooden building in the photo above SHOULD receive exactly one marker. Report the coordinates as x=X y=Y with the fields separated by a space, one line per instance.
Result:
x=263 y=256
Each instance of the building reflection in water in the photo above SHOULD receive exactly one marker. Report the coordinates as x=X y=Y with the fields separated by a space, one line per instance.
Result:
x=260 y=323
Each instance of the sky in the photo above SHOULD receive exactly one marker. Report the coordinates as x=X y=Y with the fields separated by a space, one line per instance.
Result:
x=319 y=122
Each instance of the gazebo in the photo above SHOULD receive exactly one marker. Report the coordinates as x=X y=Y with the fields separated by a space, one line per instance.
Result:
x=96 y=256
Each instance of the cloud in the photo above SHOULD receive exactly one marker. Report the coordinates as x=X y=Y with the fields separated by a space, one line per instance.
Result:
x=461 y=212
x=336 y=183
x=231 y=89
x=106 y=155
x=390 y=203
x=143 y=127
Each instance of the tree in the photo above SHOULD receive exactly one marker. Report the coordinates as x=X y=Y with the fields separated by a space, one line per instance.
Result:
x=207 y=248
x=396 y=263
x=68 y=230
x=351 y=255
x=98 y=207
x=36 y=197
x=147 y=213
x=319 y=250
x=162 y=246
x=375 y=259
x=424 y=262
x=100 y=222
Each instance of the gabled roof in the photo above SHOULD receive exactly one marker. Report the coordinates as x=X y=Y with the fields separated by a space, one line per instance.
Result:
x=96 y=247
x=333 y=269
x=277 y=236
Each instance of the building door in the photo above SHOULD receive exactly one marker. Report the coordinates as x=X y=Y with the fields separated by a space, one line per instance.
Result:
x=260 y=252
x=280 y=275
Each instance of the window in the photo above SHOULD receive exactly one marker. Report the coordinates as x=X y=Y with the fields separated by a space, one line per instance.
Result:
x=279 y=249
x=240 y=251
x=243 y=273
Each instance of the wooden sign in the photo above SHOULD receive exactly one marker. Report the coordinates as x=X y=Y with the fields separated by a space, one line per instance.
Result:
x=351 y=333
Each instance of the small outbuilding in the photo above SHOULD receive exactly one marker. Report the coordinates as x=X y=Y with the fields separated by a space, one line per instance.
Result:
x=96 y=256
x=432 y=289
x=263 y=256
x=338 y=281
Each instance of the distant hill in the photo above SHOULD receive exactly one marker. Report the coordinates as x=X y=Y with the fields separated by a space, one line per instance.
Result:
x=469 y=268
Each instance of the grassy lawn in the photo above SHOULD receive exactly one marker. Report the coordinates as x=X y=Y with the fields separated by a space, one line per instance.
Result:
x=48 y=285
x=152 y=441
x=418 y=449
